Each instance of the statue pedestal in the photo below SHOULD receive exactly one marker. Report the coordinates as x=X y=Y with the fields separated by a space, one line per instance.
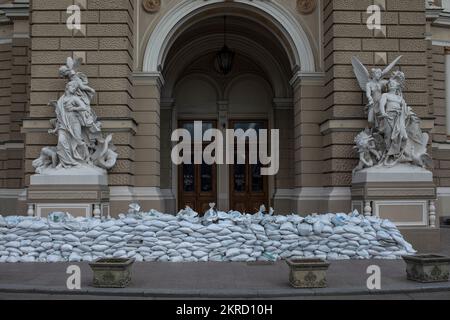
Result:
x=404 y=194
x=81 y=192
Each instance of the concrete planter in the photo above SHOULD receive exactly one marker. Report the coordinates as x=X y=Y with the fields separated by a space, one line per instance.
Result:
x=308 y=273
x=427 y=268
x=111 y=273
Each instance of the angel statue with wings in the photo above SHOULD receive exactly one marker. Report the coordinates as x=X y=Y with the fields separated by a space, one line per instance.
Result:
x=80 y=140
x=373 y=85
x=394 y=129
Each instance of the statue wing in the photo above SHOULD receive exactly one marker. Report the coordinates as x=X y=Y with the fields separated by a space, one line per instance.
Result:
x=70 y=63
x=361 y=73
x=391 y=66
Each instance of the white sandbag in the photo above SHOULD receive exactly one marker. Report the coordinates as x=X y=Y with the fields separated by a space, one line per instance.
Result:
x=232 y=252
x=258 y=228
x=239 y=258
x=353 y=229
x=115 y=239
x=120 y=254
x=156 y=223
x=186 y=230
x=304 y=229
x=288 y=226
x=13 y=244
x=99 y=247
x=318 y=227
x=75 y=257
x=68 y=238
x=348 y=252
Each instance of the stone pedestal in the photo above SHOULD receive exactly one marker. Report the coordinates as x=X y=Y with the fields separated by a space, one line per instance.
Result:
x=83 y=194
x=405 y=195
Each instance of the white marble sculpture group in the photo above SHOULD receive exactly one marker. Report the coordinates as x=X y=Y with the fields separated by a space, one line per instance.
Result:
x=394 y=135
x=81 y=144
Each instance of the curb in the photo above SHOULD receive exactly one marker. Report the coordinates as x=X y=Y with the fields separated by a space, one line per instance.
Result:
x=205 y=293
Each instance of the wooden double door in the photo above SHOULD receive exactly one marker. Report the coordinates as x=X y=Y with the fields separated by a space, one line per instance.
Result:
x=198 y=185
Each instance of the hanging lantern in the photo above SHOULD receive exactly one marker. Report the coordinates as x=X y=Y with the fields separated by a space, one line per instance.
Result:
x=225 y=57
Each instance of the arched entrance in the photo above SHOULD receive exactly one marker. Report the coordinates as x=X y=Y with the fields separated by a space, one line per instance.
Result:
x=270 y=47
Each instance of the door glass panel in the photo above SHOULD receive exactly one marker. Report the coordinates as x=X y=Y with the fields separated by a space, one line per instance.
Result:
x=206 y=178
x=189 y=126
x=239 y=177
x=249 y=125
x=188 y=177
x=257 y=179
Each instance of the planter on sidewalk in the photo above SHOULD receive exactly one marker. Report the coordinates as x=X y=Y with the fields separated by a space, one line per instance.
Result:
x=427 y=268
x=111 y=273
x=308 y=273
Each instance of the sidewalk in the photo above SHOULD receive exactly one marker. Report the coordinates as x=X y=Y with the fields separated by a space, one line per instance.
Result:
x=346 y=280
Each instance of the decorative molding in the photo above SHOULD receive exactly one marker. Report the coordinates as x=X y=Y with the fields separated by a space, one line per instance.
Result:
x=170 y=23
x=40 y=207
x=17 y=9
x=443 y=192
x=148 y=78
x=118 y=193
x=283 y=103
x=314 y=194
x=12 y=146
x=441 y=146
x=10 y=193
x=306 y=6
x=422 y=203
x=307 y=78
x=167 y=103
x=357 y=125
x=113 y=125
x=62 y=195
x=342 y=125
x=441 y=43
x=5 y=40
x=151 y=6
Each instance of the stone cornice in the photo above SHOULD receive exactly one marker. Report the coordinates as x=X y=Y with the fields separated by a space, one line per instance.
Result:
x=307 y=78
x=148 y=78
x=108 y=124
x=443 y=20
x=19 y=9
x=347 y=125
x=437 y=15
x=283 y=103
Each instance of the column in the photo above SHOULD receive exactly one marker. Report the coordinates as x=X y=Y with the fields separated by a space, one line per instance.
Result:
x=447 y=88
x=308 y=115
x=147 y=142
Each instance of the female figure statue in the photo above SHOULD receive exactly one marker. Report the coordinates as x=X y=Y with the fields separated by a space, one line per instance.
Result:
x=80 y=140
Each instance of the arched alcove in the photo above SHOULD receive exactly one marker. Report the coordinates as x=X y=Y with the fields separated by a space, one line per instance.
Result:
x=270 y=45
x=276 y=20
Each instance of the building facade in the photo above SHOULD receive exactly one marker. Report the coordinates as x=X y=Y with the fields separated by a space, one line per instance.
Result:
x=154 y=67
